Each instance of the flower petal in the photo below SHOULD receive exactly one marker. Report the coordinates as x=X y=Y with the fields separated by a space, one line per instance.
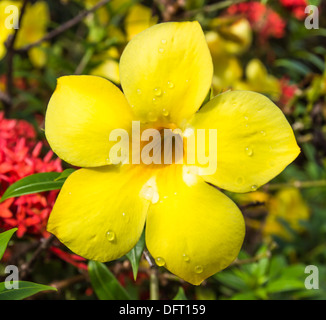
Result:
x=194 y=230
x=99 y=214
x=254 y=140
x=80 y=116
x=167 y=70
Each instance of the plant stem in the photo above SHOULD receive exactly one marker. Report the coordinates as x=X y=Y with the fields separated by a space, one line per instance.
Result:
x=154 y=287
x=153 y=277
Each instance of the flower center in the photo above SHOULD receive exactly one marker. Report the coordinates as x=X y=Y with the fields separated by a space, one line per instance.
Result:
x=162 y=145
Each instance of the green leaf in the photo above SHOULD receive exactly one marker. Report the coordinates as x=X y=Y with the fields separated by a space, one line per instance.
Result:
x=135 y=254
x=34 y=183
x=104 y=283
x=180 y=295
x=231 y=280
x=4 y=239
x=293 y=65
x=65 y=174
x=25 y=289
x=284 y=284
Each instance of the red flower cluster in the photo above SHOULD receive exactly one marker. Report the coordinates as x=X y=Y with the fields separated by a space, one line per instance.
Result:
x=263 y=20
x=296 y=7
x=288 y=91
x=20 y=157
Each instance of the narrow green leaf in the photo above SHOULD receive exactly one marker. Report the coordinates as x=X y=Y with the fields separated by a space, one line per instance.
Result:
x=293 y=65
x=4 y=239
x=180 y=295
x=34 y=183
x=104 y=283
x=284 y=284
x=25 y=289
x=65 y=174
x=135 y=254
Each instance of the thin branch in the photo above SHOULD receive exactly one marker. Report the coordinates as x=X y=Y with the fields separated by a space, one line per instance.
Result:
x=212 y=7
x=153 y=277
x=26 y=268
x=295 y=184
x=64 y=27
x=256 y=258
x=5 y=98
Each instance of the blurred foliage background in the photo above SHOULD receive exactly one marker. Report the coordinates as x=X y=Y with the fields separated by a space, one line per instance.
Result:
x=263 y=46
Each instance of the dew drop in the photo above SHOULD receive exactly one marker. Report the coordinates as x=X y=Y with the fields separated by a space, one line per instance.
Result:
x=158 y=92
x=163 y=41
x=155 y=100
x=160 y=261
x=170 y=84
x=160 y=50
x=185 y=257
x=165 y=112
x=148 y=193
x=263 y=133
x=246 y=118
x=110 y=235
x=249 y=151
x=254 y=187
x=152 y=117
x=138 y=91
x=199 y=269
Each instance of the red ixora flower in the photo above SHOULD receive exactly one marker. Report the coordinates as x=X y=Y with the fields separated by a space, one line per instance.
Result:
x=264 y=20
x=296 y=7
x=288 y=90
x=20 y=157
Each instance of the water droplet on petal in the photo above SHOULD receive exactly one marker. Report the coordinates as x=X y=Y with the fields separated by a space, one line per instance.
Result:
x=254 y=187
x=160 y=50
x=138 y=91
x=110 y=235
x=185 y=257
x=149 y=193
x=246 y=118
x=199 y=269
x=152 y=117
x=165 y=112
x=163 y=41
x=158 y=92
x=249 y=151
x=263 y=133
x=160 y=261
x=170 y=84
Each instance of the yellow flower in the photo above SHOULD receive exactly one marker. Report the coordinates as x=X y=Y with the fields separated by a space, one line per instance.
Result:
x=109 y=68
x=259 y=80
x=231 y=38
x=289 y=206
x=31 y=29
x=192 y=228
x=138 y=19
